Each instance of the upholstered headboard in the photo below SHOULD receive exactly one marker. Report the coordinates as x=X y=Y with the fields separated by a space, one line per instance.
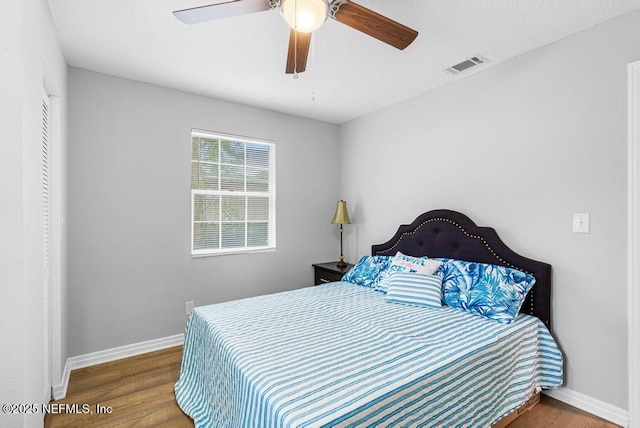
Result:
x=445 y=233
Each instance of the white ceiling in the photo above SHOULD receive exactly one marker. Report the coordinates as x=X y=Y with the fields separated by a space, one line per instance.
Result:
x=242 y=58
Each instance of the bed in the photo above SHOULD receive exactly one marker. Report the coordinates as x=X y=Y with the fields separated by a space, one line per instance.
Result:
x=344 y=354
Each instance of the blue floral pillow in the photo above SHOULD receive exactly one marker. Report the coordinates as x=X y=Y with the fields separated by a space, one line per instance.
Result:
x=367 y=271
x=496 y=292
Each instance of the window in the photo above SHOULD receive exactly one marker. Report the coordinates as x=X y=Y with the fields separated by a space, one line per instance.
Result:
x=232 y=194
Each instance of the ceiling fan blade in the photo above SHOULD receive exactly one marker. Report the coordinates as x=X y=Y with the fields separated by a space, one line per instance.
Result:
x=221 y=10
x=375 y=25
x=298 y=51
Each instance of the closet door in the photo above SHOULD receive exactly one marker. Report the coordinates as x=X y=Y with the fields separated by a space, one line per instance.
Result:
x=634 y=244
x=46 y=239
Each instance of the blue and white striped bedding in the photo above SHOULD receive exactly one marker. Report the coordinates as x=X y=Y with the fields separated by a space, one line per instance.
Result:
x=340 y=355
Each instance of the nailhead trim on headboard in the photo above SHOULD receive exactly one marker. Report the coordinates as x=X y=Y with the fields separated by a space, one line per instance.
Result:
x=462 y=229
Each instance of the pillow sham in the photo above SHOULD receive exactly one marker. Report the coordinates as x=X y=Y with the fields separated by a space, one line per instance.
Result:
x=415 y=289
x=367 y=271
x=403 y=263
x=495 y=292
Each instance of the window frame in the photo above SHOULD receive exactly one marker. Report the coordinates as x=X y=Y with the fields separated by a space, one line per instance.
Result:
x=270 y=194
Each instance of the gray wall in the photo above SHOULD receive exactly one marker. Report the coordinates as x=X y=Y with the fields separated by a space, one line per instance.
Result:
x=130 y=268
x=521 y=147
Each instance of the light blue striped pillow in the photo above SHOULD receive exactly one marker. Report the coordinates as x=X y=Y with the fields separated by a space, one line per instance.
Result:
x=415 y=289
x=404 y=263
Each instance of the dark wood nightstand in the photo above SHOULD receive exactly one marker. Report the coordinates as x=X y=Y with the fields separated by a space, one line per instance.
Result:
x=329 y=272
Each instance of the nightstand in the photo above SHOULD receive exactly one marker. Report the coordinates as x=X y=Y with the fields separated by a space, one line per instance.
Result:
x=329 y=272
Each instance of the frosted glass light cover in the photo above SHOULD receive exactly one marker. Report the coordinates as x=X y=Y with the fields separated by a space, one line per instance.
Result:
x=304 y=16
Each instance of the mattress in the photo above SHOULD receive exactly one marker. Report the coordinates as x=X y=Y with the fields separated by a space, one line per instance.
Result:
x=339 y=354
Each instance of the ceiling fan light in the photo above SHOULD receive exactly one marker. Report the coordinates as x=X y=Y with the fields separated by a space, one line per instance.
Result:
x=304 y=16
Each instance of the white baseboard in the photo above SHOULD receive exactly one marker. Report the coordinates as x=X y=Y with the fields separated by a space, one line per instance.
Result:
x=60 y=391
x=596 y=407
x=100 y=357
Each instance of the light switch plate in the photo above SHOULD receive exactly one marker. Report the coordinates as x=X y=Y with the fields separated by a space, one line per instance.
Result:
x=581 y=223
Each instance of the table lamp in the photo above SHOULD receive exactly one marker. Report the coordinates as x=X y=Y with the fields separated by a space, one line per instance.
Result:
x=341 y=217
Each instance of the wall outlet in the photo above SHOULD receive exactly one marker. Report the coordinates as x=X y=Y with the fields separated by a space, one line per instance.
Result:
x=188 y=307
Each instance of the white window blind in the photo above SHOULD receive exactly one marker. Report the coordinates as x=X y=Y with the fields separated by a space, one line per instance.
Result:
x=232 y=194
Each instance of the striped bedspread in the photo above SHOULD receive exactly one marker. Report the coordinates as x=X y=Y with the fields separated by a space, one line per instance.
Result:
x=340 y=355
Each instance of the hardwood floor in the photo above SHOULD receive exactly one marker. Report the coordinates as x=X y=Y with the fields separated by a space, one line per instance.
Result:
x=139 y=393
x=550 y=413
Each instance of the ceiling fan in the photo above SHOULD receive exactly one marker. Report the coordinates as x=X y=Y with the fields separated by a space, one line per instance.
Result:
x=304 y=17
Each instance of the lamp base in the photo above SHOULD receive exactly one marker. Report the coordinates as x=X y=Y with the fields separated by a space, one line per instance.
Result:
x=341 y=264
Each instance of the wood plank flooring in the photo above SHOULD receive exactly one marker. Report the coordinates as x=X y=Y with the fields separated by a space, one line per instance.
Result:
x=139 y=392
x=551 y=413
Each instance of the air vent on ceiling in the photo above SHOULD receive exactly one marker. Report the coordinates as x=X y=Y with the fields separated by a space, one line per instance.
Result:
x=467 y=64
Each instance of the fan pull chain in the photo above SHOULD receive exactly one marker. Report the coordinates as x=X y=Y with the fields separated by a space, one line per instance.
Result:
x=313 y=68
x=295 y=41
x=295 y=55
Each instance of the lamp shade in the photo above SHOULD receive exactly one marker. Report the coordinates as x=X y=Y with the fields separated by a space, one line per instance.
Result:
x=304 y=16
x=341 y=216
